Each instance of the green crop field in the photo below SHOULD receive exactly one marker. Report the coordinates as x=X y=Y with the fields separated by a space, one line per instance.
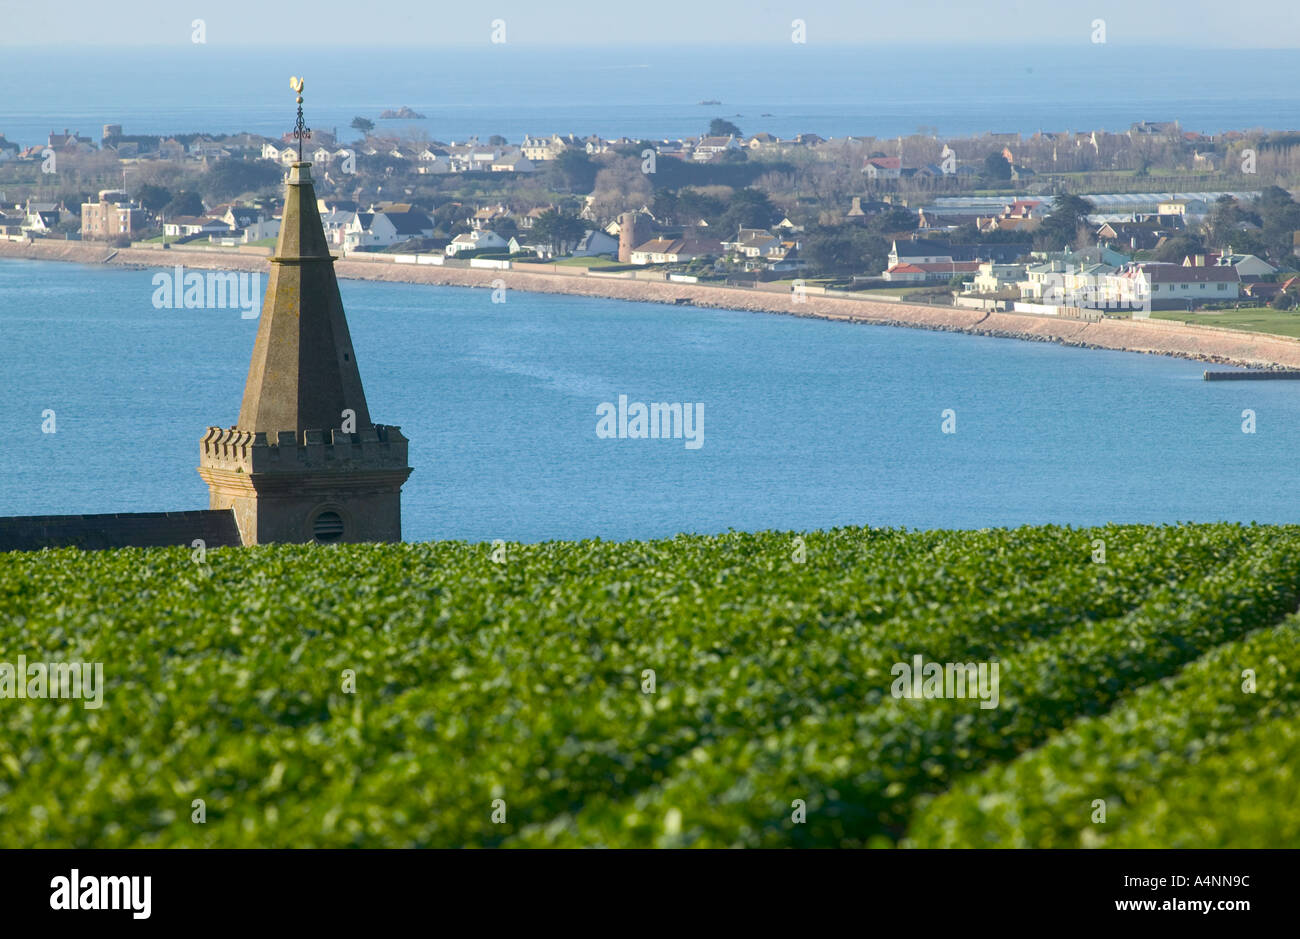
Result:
x=698 y=691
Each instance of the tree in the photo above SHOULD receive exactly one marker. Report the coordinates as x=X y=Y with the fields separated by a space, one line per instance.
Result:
x=363 y=125
x=694 y=206
x=1223 y=218
x=448 y=214
x=720 y=127
x=620 y=186
x=1273 y=199
x=152 y=197
x=1246 y=242
x=844 y=248
x=496 y=140
x=996 y=166
x=573 y=171
x=666 y=206
x=1176 y=249
x=558 y=231
x=1280 y=219
x=896 y=219
x=230 y=178
x=1061 y=229
x=184 y=203
x=749 y=208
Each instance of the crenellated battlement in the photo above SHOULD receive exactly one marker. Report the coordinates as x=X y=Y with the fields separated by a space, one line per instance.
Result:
x=378 y=447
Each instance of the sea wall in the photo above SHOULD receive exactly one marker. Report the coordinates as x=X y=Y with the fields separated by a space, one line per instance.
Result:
x=1157 y=337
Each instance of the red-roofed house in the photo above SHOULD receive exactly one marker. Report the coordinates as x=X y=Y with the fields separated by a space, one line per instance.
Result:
x=883 y=167
x=930 y=273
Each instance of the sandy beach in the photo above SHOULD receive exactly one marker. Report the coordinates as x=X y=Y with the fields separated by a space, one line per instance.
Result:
x=1201 y=343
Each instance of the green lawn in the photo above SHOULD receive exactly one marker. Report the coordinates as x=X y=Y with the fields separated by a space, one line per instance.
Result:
x=695 y=691
x=1255 y=319
x=596 y=261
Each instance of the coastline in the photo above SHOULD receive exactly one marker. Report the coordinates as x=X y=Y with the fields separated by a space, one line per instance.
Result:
x=1209 y=344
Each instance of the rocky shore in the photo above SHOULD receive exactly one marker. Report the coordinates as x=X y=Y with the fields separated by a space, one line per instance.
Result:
x=1157 y=337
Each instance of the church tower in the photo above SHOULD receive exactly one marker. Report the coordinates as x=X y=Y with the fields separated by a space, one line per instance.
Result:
x=305 y=462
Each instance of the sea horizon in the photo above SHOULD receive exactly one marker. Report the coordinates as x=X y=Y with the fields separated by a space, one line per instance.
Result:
x=475 y=89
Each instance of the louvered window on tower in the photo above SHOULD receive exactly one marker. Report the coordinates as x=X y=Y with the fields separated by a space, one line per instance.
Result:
x=328 y=527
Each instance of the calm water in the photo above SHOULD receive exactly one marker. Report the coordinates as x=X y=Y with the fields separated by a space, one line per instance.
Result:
x=807 y=423
x=881 y=91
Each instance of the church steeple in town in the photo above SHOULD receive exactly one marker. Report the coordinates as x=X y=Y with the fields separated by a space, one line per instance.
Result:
x=305 y=462
x=304 y=373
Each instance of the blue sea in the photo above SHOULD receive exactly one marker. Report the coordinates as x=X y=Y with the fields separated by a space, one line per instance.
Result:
x=807 y=423
x=650 y=91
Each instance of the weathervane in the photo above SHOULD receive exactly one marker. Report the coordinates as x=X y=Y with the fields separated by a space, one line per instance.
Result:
x=300 y=128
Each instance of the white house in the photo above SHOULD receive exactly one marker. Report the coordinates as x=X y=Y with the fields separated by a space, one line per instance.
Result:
x=41 y=217
x=381 y=229
x=514 y=162
x=993 y=277
x=540 y=149
x=481 y=239
x=1041 y=279
x=595 y=242
x=785 y=257
x=336 y=223
x=931 y=251
x=1246 y=265
x=1176 y=283
x=1088 y=285
x=674 y=250
x=282 y=155
x=921 y=251
x=184 y=225
x=247 y=224
x=433 y=161
x=517 y=245
x=752 y=243
x=710 y=147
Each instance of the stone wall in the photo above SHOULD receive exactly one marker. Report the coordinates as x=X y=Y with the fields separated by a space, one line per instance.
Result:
x=122 y=530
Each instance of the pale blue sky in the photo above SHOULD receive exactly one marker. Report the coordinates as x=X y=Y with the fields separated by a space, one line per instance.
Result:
x=360 y=23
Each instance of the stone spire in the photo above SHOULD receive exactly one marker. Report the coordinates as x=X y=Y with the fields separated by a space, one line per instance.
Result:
x=298 y=467
x=304 y=374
